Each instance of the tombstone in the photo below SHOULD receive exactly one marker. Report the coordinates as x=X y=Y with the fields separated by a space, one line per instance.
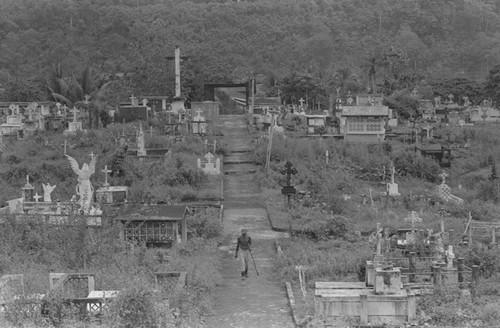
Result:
x=392 y=122
x=437 y=101
x=466 y=101
x=392 y=187
x=209 y=166
x=47 y=190
x=450 y=98
x=199 y=128
x=28 y=191
x=387 y=281
x=134 y=101
x=141 y=143
x=144 y=102
x=450 y=274
x=74 y=125
x=413 y=218
x=45 y=110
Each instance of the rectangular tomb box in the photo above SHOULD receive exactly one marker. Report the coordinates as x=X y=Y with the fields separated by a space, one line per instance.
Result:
x=370 y=274
x=387 y=281
x=112 y=194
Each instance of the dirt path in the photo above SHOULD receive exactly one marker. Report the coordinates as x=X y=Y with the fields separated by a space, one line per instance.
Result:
x=258 y=301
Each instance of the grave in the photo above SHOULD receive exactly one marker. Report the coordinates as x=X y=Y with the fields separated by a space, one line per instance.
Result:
x=74 y=126
x=14 y=122
x=154 y=225
x=444 y=191
x=131 y=112
x=209 y=166
x=111 y=194
x=392 y=187
x=198 y=123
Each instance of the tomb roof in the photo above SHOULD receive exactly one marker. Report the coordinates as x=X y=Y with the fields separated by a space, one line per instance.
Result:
x=365 y=111
x=138 y=212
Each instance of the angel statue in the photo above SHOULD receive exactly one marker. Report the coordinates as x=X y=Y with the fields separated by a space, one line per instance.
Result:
x=84 y=188
x=47 y=190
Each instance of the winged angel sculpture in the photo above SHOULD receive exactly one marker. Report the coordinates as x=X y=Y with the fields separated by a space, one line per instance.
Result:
x=84 y=188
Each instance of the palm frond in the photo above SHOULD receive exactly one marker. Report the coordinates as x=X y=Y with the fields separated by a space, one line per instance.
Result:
x=60 y=98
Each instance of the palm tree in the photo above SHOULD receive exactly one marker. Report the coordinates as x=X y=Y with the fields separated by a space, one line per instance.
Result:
x=84 y=92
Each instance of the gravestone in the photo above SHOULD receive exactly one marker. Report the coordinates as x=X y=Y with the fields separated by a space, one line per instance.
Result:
x=74 y=125
x=141 y=143
x=209 y=166
x=444 y=191
x=392 y=187
x=198 y=127
x=28 y=191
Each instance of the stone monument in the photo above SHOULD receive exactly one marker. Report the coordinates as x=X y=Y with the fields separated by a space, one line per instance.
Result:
x=47 y=190
x=84 y=188
x=209 y=166
x=392 y=187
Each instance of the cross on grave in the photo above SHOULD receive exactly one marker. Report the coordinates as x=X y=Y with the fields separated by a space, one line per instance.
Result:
x=74 y=111
x=132 y=99
x=301 y=101
x=209 y=157
x=92 y=155
x=106 y=171
x=87 y=98
x=443 y=176
x=289 y=170
x=37 y=197
x=199 y=112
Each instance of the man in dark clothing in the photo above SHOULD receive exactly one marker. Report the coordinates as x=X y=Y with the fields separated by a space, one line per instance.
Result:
x=243 y=245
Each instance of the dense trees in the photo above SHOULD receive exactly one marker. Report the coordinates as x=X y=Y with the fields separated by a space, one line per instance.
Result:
x=443 y=39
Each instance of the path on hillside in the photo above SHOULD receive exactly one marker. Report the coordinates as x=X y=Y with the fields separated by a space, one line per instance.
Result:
x=257 y=301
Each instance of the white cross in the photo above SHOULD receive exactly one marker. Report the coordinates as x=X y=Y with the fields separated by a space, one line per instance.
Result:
x=443 y=176
x=106 y=171
x=209 y=157
x=132 y=99
x=87 y=98
x=37 y=197
x=199 y=112
x=301 y=101
x=92 y=155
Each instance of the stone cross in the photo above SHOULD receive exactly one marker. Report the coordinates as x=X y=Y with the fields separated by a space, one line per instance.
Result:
x=92 y=155
x=74 y=111
x=350 y=100
x=87 y=98
x=289 y=170
x=209 y=157
x=443 y=176
x=199 y=112
x=37 y=197
x=301 y=101
x=65 y=108
x=132 y=99
x=106 y=171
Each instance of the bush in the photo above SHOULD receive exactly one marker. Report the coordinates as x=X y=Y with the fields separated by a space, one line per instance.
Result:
x=205 y=224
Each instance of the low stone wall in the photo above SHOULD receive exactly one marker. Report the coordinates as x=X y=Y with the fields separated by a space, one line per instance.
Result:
x=367 y=308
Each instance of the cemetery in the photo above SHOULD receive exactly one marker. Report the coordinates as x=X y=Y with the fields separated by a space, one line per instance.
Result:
x=217 y=164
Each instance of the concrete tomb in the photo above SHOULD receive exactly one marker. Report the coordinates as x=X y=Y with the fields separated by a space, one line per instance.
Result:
x=209 y=166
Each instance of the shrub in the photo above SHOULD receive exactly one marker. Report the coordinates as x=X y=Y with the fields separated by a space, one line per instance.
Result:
x=205 y=224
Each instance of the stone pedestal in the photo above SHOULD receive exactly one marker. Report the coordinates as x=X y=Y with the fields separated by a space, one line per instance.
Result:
x=370 y=274
x=450 y=275
x=387 y=281
x=392 y=189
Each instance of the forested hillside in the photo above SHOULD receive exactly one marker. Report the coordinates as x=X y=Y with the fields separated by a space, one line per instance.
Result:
x=390 y=43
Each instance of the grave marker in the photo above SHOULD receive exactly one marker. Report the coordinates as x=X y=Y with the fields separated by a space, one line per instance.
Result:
x=106 y=171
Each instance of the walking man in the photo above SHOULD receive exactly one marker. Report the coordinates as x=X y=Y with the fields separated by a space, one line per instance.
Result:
x=243 y=245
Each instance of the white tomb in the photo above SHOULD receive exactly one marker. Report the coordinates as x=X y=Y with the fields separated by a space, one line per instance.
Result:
x=392 y=187
x=209 y=166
